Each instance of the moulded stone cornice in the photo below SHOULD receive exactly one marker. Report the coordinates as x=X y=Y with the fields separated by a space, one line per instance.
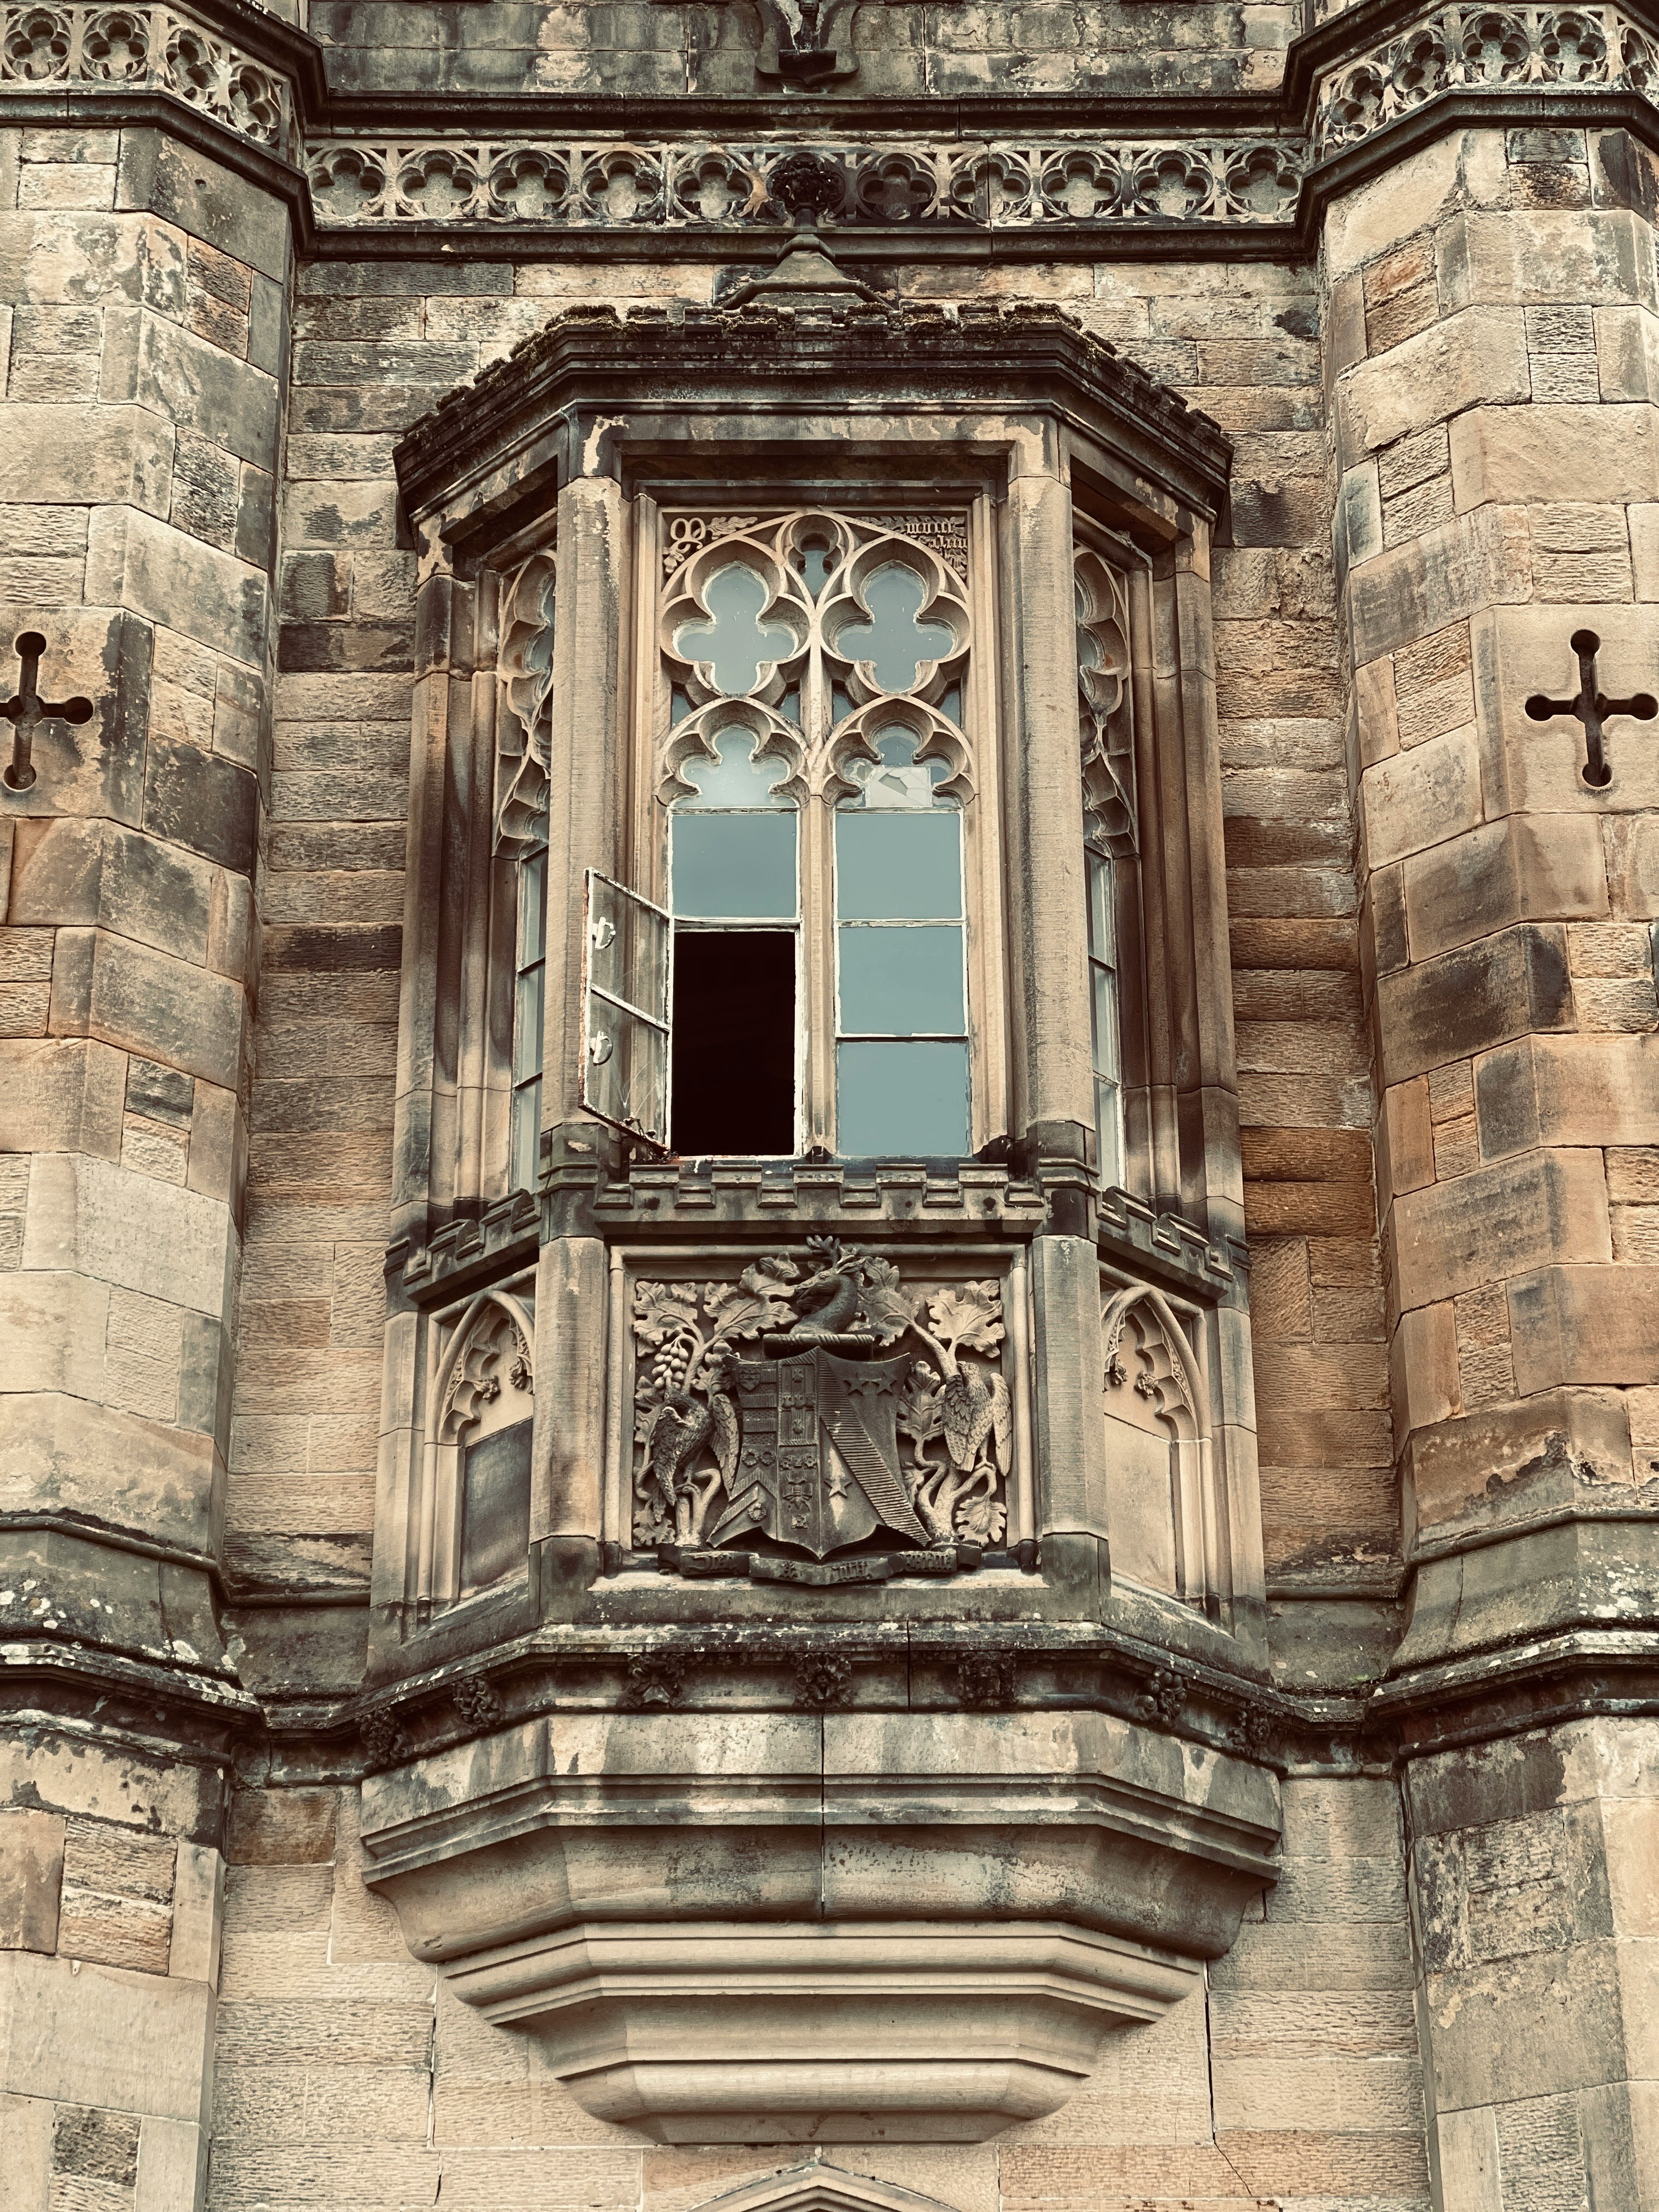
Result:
x=590 y=358
x=983 y=176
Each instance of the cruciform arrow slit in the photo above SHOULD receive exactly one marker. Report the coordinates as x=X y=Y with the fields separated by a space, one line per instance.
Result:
x=27 y=710
x=1592 y=708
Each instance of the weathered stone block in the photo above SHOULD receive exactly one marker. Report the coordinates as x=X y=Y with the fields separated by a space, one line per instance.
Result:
x=1499 y=1222
x=134 y=561
x=1556 y=1090
x=31 y=1876
x=141 y=1000
x=1585 y=1324
x=1421 y=797
x=1479 y=355
x=1465 y=1001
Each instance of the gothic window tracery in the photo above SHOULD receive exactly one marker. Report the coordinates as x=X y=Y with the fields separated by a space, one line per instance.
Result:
x=521 y=799
x=814 y=776
x=1105 y=736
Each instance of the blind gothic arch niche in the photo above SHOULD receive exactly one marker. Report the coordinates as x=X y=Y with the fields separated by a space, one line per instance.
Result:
x=657 y=634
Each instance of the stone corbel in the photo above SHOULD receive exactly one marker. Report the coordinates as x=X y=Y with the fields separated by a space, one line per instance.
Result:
x=807 y=42
x=744 y=1926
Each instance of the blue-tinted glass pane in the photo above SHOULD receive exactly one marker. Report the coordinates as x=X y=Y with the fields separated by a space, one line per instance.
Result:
x=1109 y=1131
x=526 y=1134
x=891 y=866
x=735 y=643
x=734 y=866
x=902 y=982
x=533 y=908
x=527 y=1025
x=1102 y=932
x=902 y=1098
x=736 y=778
x=1102 y=1013
x=893 y=641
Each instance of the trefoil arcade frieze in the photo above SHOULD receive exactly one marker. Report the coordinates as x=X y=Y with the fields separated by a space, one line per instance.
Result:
x=826 y=1415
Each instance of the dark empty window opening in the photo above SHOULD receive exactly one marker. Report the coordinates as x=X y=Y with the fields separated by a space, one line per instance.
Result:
x=734 y=1041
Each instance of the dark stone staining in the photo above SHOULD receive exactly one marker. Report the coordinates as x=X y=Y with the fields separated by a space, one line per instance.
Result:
x=160 y=1094
x=313 y=647
x=96 y=2146
x=327 y=951
x=198 y=800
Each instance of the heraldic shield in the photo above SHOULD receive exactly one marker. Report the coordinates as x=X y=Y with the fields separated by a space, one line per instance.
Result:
x=818 y=1461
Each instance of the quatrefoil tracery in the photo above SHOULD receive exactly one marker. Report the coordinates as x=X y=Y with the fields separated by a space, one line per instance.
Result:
x=818 y=707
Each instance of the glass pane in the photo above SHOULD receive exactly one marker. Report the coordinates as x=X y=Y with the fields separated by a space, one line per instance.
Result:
x=1103 y=930
x=527 y=1025
x=891 y=866
x=896 y=780
x=737 y=778
x=1109 y=1130
x=735 y=642
x=1102 y=1018
x=526 y=1134
x=627 y=948
x=626 y=1075
x=893 y=641
x=732 y=867
x=902 y=982
x=902 y=1098
x=533 y=908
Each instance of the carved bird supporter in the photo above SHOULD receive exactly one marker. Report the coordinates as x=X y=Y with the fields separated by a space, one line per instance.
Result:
x=682 y=1427
x=969 y=1405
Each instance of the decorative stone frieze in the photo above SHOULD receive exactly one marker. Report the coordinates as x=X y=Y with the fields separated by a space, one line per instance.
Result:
x=148 y=49
x=998 y=184
x=1480 y=49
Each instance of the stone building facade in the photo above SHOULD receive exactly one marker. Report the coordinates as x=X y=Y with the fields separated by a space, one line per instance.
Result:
x=828 y=1106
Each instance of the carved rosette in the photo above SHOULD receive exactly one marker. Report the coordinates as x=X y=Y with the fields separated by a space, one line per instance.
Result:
x=819 y=1393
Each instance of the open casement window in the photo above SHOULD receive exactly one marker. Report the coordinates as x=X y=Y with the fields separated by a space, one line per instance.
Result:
x=628 y=986
x=815 y=822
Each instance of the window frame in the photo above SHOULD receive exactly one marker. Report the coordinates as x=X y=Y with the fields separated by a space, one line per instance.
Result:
x=643 y=862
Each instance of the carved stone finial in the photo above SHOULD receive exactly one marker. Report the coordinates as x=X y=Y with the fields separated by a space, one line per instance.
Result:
x=806 y=277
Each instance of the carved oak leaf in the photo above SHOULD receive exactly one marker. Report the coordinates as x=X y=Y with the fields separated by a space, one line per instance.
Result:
x=981 y=1521
x=965 y=1317
x=661 y=1308
x=746 y=1310
x=918 y=1407
x=886 y=1309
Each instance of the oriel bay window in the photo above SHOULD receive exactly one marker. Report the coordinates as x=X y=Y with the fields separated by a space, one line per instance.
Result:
x=815 y=890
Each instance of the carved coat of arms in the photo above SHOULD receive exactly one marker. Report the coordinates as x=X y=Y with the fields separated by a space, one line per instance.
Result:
x=819 y=1414
x=817 y=1457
